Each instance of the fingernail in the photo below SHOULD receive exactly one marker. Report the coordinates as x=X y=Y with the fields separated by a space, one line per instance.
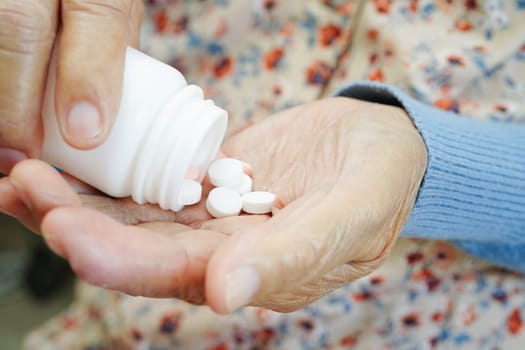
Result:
x=241 y=286
x=9 y=158
x=83 y=121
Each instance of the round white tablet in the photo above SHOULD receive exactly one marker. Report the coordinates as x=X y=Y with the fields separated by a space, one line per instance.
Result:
x=223 y=202
x=246 y=185
x=190 y=192
x=226 y=172
x=258 y=202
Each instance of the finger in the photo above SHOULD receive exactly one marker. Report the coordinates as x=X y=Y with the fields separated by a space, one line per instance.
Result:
x=302 y=243
x=90 y=68
x=286 y=246
x=12 y=205
x=131 y=259
x=27 y=33
x=41 y=188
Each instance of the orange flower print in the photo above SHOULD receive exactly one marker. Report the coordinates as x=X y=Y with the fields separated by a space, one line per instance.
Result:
x=69 y=322
x=161 y=21
x=328 y=34
x=223 y=67
x=382 y=6
x=348 y=341
x=445 y=103
x=272 y=58
x=413 y=5
x=437 y=317
x=514 y=322
x=376 y=75
x=463 y=25
x=372 y=35
x=318 y=73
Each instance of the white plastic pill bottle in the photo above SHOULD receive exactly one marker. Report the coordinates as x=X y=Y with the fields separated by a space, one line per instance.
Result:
x=163 y=127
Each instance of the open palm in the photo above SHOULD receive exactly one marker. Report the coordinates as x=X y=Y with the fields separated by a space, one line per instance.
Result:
x=346 y=174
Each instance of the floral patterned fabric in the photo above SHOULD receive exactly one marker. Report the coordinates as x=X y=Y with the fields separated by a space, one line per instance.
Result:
x=256 y=57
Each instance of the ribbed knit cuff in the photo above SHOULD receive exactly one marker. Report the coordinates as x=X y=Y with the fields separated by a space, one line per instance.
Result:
x=474 y=186
x=510 y=255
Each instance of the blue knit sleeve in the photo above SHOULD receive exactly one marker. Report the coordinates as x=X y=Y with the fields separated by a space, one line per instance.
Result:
x=473 y=191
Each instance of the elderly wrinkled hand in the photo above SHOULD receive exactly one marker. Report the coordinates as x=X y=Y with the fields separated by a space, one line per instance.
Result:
x=90 y=59
x=346 y=173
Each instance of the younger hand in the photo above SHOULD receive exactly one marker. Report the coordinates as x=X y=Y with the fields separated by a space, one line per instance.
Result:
x=90 y=57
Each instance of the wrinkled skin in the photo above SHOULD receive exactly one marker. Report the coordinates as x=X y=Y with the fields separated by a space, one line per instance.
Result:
x=346 y=174
x=90 y=67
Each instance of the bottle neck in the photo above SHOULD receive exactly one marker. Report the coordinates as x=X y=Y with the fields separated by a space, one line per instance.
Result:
x=186 y=133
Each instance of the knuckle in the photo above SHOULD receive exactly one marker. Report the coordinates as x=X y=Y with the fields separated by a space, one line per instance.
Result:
x=23 y=23
x=119 y=9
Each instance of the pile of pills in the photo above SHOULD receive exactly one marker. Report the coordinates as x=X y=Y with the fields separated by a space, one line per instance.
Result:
x=232 y=193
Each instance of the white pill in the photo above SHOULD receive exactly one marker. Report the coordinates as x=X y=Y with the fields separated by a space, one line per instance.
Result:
x=223 y=202
x=246 y=185
x=258 y=202
x=190 y=192
x=226 y=172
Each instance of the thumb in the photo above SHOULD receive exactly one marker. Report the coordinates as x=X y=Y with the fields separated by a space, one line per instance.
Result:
x=303 y=242
x=90 y=66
